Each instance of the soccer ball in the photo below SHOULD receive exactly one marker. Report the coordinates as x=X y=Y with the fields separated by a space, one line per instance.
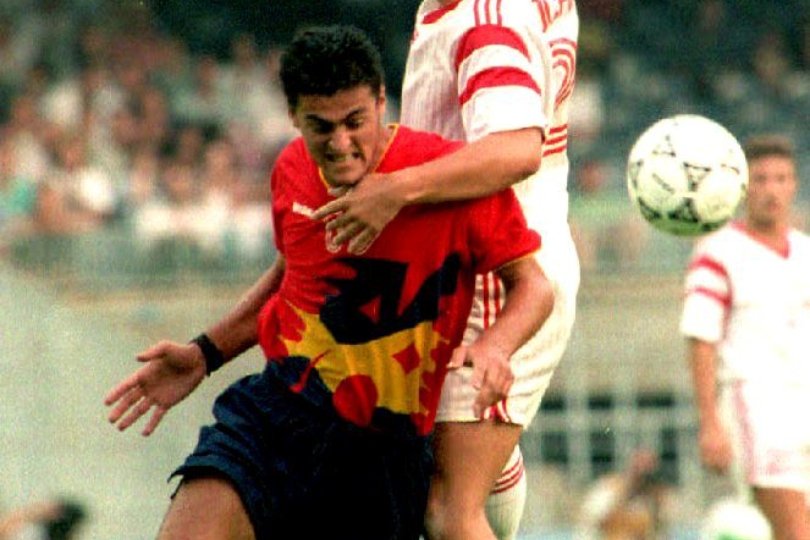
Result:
x=687 y=174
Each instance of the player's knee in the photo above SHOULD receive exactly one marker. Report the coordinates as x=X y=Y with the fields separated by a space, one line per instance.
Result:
x=446 y=521
x=206 y=508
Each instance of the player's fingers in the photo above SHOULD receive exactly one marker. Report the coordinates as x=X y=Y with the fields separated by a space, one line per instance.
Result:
x=328 y=209
x=124 y=403
x=154 y=420
x=483 y=400
x=500 y=379
x=479 y=374
x=338 y=223
x=120 y=390
x=360 y=243
x=140 y=408
x=339 y=191
x=348 y=232
x=457 y=358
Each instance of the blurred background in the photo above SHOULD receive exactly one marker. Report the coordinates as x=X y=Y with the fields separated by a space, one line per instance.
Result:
x=135 y=143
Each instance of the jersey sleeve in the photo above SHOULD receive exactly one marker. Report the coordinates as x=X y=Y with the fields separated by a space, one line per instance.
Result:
x=499 y=84
x=707 y=298
x=499 y=233
x=281 y=178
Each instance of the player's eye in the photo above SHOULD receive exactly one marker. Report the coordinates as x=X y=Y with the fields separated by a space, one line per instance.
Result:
x=355 y=122
x=320 y=127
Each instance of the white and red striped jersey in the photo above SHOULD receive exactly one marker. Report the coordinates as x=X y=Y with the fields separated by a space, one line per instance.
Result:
x=483 y=66
x=477 y=67
x=753 y=303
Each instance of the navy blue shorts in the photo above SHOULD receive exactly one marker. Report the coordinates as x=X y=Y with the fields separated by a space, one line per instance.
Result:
x=303 y=472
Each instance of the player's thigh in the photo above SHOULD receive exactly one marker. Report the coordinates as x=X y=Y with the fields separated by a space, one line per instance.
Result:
x=206 y=508
x=786 y=510
x=469 y=459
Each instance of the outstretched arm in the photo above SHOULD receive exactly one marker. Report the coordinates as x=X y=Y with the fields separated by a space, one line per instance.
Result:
x=715 y=446
x=171 y=371
x=480 y=168
x=529 y=301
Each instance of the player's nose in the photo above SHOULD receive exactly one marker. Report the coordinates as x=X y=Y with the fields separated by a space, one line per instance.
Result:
x=340 y=141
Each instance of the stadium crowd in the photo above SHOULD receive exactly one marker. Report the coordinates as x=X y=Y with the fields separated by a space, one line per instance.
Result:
x=109 y=119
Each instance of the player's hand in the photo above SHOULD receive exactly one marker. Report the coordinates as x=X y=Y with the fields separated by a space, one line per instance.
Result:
x=492 y=374
x=715 y=447
x=171 y=371
x=359 y=214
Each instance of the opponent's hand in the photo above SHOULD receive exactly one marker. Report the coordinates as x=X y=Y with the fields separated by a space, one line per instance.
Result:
x=359 y=214
x=171 y=371
x=715 y=447
x=492 y=374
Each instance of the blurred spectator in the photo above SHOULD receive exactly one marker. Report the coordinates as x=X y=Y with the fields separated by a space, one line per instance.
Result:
x=269 y=110
x=142 y=179
x=28 y=134
x=178 y=216
x=587 y=117
x=76 y=196
x=175 y=70
x=627 y=505
x=82 y=101
x=155 y=117
x=58 y=519
x=188 y=144
x=243 y=205
x=18 y=53
x=205 y=102
x=770 y=62
x=607 y=232
x=17 y=197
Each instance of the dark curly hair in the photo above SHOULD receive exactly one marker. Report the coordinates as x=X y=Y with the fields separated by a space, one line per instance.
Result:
x=321 y=61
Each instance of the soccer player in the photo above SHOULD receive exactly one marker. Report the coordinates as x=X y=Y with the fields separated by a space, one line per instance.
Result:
x=331 y=440
x=498 y=75
x=746 y=316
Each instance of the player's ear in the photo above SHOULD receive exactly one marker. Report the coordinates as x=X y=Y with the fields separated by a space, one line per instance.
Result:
x=382 y=100
x=293 y=117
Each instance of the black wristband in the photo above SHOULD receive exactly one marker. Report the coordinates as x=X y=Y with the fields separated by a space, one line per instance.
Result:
x=214 y=359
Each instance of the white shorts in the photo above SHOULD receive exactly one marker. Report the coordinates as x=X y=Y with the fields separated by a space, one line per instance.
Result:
x=534 y=363
x=770 y=434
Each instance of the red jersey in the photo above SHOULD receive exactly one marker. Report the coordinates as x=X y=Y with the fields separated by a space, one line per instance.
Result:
x=370 y=335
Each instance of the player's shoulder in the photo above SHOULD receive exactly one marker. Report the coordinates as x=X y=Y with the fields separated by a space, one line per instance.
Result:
x=411 y=147
x=293 y=152
x=726 y=240
x=800 y=240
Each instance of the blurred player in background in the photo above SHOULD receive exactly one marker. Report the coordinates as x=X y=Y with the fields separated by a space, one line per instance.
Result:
x=331 y=441
x=747 y=319
x=630 y=503
x=500 y=76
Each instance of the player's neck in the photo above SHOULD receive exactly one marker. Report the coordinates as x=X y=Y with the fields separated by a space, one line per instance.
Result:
x=773 y=234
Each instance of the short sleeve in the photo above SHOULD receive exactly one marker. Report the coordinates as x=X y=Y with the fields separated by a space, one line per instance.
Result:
x=499 y=87
x=707 y=299
x=498 y=232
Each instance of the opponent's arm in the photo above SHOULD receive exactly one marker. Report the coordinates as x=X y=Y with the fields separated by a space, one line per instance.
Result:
x=171 y=371
x=480 y=168
x=715 y=447
x=528 y=303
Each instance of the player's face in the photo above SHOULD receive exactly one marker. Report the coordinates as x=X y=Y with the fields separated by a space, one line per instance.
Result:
x=344 y=132
x=771 y=189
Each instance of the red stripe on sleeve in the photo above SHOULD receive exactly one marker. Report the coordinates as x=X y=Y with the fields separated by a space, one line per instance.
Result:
x=486 y=35
x=723 y=299
x=708 y=263
x=494 y=77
